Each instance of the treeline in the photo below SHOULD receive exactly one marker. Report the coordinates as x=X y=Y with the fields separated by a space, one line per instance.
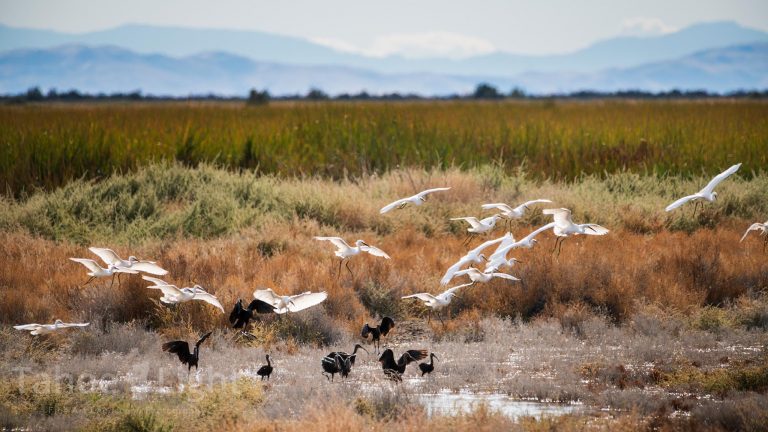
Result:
x=483 y=91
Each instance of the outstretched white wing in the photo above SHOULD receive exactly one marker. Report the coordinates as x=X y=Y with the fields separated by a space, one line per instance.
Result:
x=429 y=191
x=538 y=231
x=373 y=250
x=454 y=289
x=155 y=281
x=754 y=227
x=595 y=229
x=306 y=300
x=28 y=326
x=267 y=296
x=525 y=205
x=719 y=178
x=470 y=220
x=562 y=216
x=392 y=205
x=208 y=298
x=67 y=325
x=89 y=264
x=680 y=202
x=505 y=276
x=171 y=291
x=147 y=267
x=425 y=297
x=500 y=206
x=337 y=241
x=107 y=255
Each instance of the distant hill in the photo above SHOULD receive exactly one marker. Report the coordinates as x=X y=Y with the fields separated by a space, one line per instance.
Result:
x=112 y=69
x=621 y=52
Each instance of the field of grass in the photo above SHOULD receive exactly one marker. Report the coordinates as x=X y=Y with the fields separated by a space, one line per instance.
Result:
x=48 y=145
x=660 y=325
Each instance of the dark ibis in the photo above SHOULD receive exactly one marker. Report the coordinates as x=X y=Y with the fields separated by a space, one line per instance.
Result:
x=394 y=369
x=344 y=355
x=240 y=317
x=181 y=348
x=334 y=364
x=266 y=370
x=427 y=368
x=377 y=332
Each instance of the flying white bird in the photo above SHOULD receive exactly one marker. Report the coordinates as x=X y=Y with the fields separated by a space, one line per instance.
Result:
x=499 y=258
x=345 y=251
x=564 y=227
x=510 y=213
x=96 y=271
x=479 y=226
x=437 y=302
x=708 y=193
x=417 y=200
x=476 y=275
x=38 y=329
x=111 y=258
x=293 y=303
x=174 y=295
x=494 y=264
x=757 y=226
x=474 y=256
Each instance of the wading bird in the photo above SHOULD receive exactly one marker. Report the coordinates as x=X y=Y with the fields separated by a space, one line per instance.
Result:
x=110 y=258
x=437 y=302
x=181 y=348
x=395 y=370
x=474 y=256
x=240 y=317
x=476 y=275
x=173 y=295
x=345 y=251
x=500 y=255
x=345 y=356
x=427 y=368
x=564 y=227
x=96 y=271
x=377 y=332
x=478 y=226
x=417 y=200
x=38 y=329
x=708 y=193
x=266 y=370
x=763 y=231
x=334 y=363
x=294 y=303
x=498 y=262
x=510 y=213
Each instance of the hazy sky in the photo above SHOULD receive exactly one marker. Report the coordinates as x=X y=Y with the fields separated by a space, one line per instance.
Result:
x=412 y=27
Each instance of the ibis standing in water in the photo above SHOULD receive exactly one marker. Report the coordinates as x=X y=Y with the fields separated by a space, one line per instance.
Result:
x=181 y=348
x=346 y=252
x=334 y=363
x=427 y=368
x=266 y=370
x=377 y=332
x=395 y=369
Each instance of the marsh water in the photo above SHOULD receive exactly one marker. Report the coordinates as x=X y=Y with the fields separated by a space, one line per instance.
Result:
x=448 y=403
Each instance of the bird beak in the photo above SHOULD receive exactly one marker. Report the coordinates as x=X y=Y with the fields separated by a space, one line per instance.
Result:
x=435 y=356
x=518 y=261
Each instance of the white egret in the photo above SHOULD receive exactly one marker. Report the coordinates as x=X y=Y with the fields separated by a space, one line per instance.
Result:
x=111 y=258
x=499 y=258
x=478 y=226
x=474 y=256
x=345 y=251
x=708 y=193
x=476 y=275
x=417 y=200
x=38 y=329
x=174 y=295
x=763 y=231
x=510 y=213
x=496 y=263
x=437 y=302
x=96 y=271
x=564 y=227
x=293 y=303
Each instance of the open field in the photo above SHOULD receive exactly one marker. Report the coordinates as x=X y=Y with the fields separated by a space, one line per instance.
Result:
x=660 y=325
x=48 y=145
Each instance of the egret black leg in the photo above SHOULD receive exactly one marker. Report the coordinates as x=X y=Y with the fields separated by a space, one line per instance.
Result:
x=338 y=273
x=560 y=246
x=88 y=281
x=113 y=280
x=350 y=270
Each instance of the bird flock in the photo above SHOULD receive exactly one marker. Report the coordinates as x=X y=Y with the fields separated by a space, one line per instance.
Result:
x=266 y=301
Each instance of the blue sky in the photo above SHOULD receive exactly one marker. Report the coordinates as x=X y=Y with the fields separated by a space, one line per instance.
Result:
x=413 y=28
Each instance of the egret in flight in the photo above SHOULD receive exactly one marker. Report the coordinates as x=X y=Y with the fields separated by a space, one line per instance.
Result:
x=564 y=227
x=474 y=256
x=437 y=302
x=345 y=251
x=96 y=271
x=479 y=226
x=38 y=329
x=417 y=200
x=111 y=258
x=174 y=295
x=292 y=303
x=476 y=275
x=510 y=213
x=763 y=231
x=708 y=193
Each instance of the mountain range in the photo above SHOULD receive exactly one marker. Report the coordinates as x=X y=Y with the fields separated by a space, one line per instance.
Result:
x=719 y=56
